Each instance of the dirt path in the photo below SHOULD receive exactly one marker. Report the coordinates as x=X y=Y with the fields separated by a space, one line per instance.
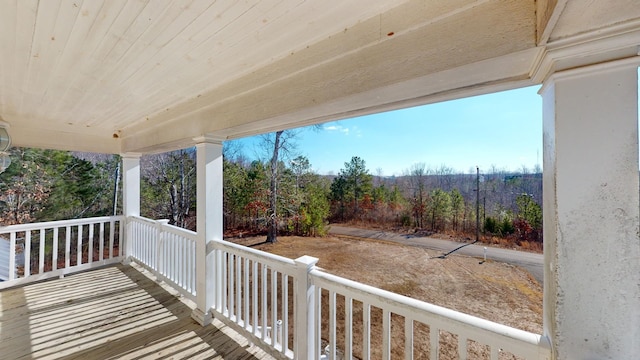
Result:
x=531 y=262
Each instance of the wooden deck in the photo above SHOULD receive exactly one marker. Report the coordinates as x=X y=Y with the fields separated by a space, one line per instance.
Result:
x=115 y=312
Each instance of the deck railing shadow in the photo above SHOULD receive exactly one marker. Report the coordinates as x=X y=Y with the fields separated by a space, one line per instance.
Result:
x=111 y=312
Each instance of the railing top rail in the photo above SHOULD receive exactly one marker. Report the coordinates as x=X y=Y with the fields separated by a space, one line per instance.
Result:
x=142 y=219
x=413 y=308
x=59 y=223
x=180 y=231
x=250 y=253
x=166 y=227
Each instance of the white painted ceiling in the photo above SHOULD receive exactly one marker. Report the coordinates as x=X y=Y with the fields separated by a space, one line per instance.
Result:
x=120 y=76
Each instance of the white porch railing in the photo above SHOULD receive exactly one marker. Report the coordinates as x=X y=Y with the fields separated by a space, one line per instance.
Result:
x=49 y=249
x=254 y=293
x=290 y=308
x=411 y=320
x=169 y=252
x=277 y=303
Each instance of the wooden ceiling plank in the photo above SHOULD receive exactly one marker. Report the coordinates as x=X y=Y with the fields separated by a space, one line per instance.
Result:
x=137 y=46
x=8 y=17
x=100 y=17
x=170 y=77
x=219 y=32
x=195 y=35
x=252 y=49
x=168 y=72
x=257 y=47
x=126 y=26
x=25 y=24
x=159 y=89
x=145 y=46
x=175 y=22
x=53 y=78
x=39 y=55
x=368 y=32
x=140 y=50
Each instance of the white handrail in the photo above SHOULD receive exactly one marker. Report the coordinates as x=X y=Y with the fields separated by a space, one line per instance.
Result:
x=57 y=223
x=91 y=240
x=277 y=262
x=518 y=342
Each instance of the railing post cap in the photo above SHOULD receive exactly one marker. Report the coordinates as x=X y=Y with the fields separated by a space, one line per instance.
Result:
x=307 y=260
x=163 y=221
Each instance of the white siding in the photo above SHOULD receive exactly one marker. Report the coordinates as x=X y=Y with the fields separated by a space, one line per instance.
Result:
x=4 y=259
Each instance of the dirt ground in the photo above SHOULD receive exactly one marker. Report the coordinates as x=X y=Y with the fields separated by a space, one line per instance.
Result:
x=494 y=291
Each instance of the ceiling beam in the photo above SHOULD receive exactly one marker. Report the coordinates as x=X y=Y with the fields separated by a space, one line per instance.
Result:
x=39 y=137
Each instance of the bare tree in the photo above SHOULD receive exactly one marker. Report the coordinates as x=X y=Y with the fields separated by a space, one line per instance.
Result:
x=281 y=143
x=417 y=177
x=170 y=185
x=444 y=175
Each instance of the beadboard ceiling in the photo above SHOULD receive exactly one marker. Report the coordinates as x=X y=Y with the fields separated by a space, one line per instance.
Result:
x=119 y=76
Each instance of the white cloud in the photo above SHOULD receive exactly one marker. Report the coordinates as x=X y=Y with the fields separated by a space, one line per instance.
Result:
x=338 y=128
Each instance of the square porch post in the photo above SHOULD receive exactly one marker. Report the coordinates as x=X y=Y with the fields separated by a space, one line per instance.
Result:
x=130 y=196
x=209 y=219
x=592 y=212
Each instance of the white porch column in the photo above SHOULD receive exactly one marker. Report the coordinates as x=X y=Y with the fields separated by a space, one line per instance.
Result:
x=130 y=193
x=209 y=221
x=591 y=212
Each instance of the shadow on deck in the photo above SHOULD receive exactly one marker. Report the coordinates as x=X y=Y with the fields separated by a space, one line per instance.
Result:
x=112 y=312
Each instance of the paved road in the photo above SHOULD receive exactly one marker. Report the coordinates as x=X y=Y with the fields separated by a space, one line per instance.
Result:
x=530 y=261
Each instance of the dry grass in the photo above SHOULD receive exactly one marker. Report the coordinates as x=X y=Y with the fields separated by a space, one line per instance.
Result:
x=494 y=291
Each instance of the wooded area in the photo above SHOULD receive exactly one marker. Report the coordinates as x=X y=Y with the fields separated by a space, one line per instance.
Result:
x=44 y=185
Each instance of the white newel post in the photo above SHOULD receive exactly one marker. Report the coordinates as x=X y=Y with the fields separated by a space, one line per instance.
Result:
x=209 y=221
x=160 y=235
x=304 y=307
x=130 y=197
x=591 y=212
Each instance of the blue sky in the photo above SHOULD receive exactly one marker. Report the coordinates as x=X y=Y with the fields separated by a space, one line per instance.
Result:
x=502 y=129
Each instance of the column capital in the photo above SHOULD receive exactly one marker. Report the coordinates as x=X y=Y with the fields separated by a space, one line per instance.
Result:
x=628 y=63
x=131 y=155
x=209 y=139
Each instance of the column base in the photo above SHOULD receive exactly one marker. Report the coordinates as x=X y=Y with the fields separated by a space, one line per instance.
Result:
x=201 y=318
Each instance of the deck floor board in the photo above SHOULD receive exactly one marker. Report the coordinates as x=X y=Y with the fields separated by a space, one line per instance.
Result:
x=116 y=312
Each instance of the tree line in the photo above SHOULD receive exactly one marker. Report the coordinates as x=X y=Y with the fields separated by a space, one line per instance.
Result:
x=47 y=185
x=281 y=194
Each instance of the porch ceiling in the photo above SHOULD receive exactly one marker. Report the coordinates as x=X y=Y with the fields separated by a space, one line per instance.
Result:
x=140 y=76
